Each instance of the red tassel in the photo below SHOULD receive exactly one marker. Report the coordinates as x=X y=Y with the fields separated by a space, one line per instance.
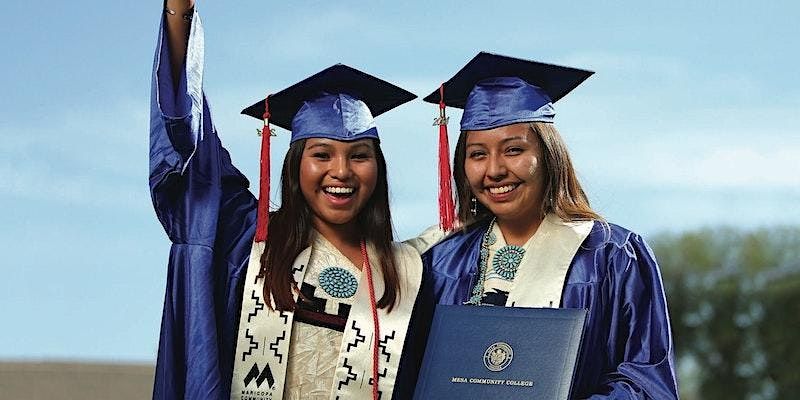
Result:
x=447 y=209
x=262 y=219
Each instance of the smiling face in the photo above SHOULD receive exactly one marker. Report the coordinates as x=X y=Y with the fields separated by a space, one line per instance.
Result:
x=504 y=169
x=337 y=179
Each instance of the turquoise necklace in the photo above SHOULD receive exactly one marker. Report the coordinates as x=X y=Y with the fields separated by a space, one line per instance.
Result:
x=505 y=263
x=338 y=282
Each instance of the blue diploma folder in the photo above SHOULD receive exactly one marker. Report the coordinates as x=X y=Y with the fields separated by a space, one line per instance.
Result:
x=500 y=353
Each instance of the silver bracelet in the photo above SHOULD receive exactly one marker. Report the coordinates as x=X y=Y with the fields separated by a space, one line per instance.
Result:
x=186 y=17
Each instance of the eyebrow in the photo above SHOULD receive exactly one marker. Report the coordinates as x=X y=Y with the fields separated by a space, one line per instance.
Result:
x=362 y=144
x=318 y=145
x=327 y=146
x=506 y=140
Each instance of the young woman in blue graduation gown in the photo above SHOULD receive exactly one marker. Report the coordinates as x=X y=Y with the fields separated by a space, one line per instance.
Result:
x=232 y=325
x=531 y=239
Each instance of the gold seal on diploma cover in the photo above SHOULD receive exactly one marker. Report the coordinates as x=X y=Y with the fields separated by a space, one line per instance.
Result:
x=498 y=356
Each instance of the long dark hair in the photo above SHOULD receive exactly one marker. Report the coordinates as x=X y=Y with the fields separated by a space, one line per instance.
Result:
x=563 y=194
x=289 y=233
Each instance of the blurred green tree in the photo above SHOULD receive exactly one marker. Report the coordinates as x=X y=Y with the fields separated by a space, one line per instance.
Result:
x=734 y=302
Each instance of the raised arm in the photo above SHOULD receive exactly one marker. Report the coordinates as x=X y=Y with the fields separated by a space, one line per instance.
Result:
x=192 y=179
x=177 y=27
x=203 y=203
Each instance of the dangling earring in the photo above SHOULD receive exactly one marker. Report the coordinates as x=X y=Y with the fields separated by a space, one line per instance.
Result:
x=473 y=208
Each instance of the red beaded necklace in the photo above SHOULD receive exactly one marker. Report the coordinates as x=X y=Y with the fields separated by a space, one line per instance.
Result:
x=373 y=306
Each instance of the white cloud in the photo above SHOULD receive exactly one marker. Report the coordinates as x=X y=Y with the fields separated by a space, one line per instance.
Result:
x=729 y=166
x=692 y=159
x=300 y=35
x=625 y=64
x=94 y=161
x=44 y=183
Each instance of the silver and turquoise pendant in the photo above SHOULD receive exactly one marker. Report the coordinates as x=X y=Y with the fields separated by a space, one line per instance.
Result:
x=507 y=260
x=338 y=282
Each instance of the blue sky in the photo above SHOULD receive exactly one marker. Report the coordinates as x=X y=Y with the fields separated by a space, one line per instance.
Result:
x=691 y=120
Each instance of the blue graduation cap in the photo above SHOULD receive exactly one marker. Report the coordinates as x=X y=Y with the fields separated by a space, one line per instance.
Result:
x=496 y=90
x=337 y=103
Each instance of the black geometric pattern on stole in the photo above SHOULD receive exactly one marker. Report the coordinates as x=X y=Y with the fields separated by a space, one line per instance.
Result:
x=285 y=316
x=344 y=310
x=359 y=337
x=298 y=269
x=259 y=306
x=382 y=375
x=382 y=345
x=312 y=303
x=496 y=297
x=253 y=344
x=317 y=304
x=351 y=376
x=266 y=373
x=274 y=346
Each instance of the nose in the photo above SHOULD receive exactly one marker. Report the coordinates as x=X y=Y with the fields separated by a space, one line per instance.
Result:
x=340 y=168
x=496 y=169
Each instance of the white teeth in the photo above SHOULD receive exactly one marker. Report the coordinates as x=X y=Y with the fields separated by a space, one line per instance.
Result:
x=339 y=190
x=501 y=189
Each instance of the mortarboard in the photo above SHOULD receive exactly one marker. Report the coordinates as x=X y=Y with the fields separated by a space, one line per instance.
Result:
x=337 y=103
x=495 y=91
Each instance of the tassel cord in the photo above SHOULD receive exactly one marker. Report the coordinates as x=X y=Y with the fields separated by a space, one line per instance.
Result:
x=262 y=220
x=447 y=219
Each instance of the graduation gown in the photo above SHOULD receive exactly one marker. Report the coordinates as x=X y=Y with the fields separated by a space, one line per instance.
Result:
x=204 y=205
x=206 y=209
x=626 y=351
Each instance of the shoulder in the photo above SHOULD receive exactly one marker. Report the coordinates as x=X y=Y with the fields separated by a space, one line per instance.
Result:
x=404 y=252
x=408 y=264
x=407 y=259
x=607 y=234
x=620 y=247
x=462 y=238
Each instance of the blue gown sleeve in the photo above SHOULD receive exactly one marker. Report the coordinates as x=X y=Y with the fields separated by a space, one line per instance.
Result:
x=204 y=205
x=639 y=346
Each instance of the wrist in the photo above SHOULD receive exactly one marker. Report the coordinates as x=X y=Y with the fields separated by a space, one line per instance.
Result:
x=180 y=8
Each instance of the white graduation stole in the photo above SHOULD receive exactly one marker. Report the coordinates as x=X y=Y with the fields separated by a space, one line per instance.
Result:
x=539 y=281
x=262 y=346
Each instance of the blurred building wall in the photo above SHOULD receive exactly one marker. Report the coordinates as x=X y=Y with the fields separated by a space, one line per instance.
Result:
x=63 y=380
